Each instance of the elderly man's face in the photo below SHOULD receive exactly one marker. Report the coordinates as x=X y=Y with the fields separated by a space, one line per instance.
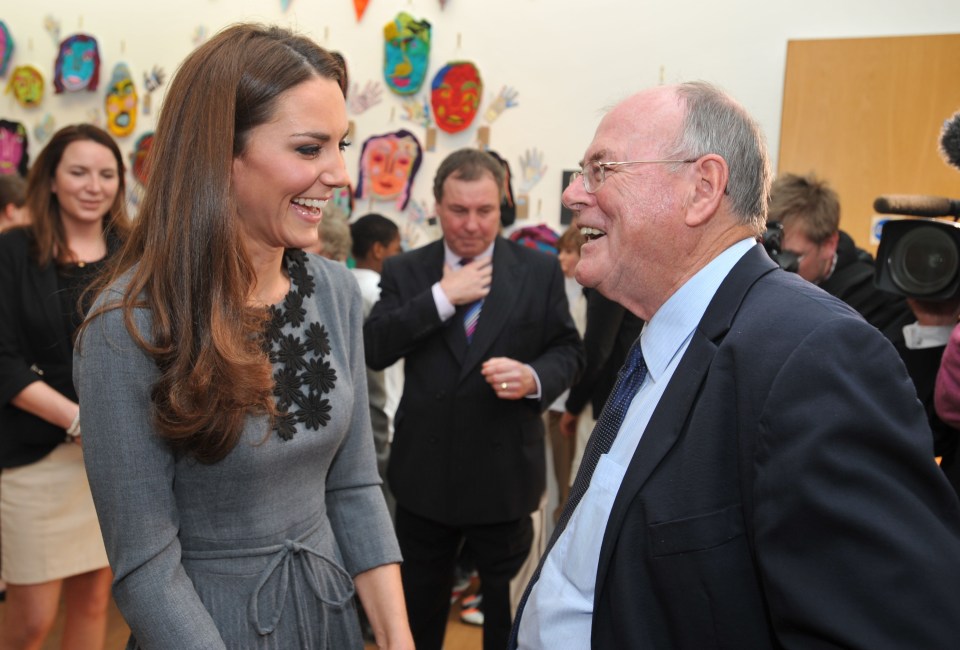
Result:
x=633 y=220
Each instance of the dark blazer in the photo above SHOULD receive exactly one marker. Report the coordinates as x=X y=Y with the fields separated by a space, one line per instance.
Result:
x=784 y=493
x=460 y=455
x=611 y=330
x=33 y=340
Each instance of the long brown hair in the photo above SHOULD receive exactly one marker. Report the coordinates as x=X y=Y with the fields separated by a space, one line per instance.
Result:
x=49 y=237
x=189 y=265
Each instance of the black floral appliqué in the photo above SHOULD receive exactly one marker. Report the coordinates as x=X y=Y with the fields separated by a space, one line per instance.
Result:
x=306 y=374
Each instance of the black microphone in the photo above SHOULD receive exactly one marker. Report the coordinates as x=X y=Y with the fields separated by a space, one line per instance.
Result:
x=950 y=140
x=915 y=205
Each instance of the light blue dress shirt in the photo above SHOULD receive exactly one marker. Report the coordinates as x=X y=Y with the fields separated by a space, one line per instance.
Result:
x=559 y=611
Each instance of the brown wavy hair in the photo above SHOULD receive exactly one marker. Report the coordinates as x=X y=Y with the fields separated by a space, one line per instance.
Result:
x=49 y=237
x=187 y=261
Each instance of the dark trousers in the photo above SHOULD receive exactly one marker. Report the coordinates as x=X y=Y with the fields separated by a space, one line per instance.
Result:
x=430 y=551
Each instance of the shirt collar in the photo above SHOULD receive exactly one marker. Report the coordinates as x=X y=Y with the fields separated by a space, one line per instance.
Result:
x=452 y=259
x=673 y=324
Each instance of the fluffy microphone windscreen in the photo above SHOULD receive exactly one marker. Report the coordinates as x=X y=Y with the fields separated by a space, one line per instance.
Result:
x=950 y=140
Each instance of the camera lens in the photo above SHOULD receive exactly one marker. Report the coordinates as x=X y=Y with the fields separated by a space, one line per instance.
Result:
x=924 y=262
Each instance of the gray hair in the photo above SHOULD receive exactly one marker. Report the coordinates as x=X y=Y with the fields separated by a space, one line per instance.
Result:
x=715 y=123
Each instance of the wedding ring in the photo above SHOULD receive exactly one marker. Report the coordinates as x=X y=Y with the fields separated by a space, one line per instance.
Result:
x=503 y=386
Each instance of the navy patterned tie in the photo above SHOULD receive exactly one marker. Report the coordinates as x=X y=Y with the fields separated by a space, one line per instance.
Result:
x=630 y=378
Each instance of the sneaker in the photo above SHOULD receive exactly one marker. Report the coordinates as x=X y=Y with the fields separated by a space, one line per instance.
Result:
x=472 y=602
x=460 y=586
x=472 y=616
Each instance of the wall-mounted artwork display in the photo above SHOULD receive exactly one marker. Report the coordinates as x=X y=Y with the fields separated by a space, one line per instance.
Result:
x=26 y=84
x=455 y=96
x=138 y=158
x=406 y=53
x=360 y=6
x=78 y=64
x=6 y=47
x=14 y=158
x=121 y=102
x=43 y=129
x=388 y=165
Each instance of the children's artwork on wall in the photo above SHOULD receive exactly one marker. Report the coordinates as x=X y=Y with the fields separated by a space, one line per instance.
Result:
x=121 y=102
x=532 y=169
x=95 y=117
x=52 y=27
x=360 y=6
x=508 y=209
x=361 y=100
x=151 y=81
x=26 y=84
x=455 y=95
x=14 y=158
x=6 y=48
x=138 y=158
x=284 y=5
x=43 y=129
x=343 y=199
x=78 y=65
x=506 y=99
x=416 y=110
x=406 y=53
x=388 y=165
x=199 y=35
x=443 y=4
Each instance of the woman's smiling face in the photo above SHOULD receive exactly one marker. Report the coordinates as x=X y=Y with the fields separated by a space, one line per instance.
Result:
x=290 y=167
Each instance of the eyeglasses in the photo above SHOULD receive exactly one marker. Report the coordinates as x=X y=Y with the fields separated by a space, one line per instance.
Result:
x=595 y=172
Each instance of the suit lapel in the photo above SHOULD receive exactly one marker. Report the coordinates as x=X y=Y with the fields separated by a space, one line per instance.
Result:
x=505 y=289
x=670 y=415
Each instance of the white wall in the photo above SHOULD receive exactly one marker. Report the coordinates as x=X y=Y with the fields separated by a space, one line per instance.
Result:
x=569 y=59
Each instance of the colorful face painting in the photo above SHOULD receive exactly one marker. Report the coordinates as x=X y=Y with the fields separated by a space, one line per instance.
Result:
x=406 y=53
x=26 y=84
x=138 y=158
x=455 y=95
x=13 y=148
x=121 y=102
x=6 y=48
x=388 y=164
x=78 y=65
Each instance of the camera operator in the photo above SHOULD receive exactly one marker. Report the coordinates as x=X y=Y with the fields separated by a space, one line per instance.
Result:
x=809 y=211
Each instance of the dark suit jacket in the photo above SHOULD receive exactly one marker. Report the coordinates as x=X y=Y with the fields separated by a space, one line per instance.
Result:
x=784 y=493
x=611 y=330
x=460 y=455
x=33 y=339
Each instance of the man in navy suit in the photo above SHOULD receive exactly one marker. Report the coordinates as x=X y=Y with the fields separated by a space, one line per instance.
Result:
x=770 y=481
x=485 y=332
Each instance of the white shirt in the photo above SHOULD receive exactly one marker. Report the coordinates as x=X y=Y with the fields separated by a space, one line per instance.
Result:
x=559 y=611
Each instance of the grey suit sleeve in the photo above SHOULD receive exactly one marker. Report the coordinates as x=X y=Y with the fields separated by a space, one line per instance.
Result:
x=856 y=529
x=131 y=473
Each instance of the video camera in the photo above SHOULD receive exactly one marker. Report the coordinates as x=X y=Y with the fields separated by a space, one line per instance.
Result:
x=920 y=258
x=773 y=243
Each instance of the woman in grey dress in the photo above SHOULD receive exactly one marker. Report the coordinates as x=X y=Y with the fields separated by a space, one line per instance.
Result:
x=223 y=401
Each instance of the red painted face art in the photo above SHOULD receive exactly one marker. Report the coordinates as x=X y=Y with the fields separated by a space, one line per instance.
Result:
x=455 y=96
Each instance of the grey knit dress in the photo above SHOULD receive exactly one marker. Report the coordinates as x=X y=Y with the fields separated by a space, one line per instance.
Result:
x=257 y=550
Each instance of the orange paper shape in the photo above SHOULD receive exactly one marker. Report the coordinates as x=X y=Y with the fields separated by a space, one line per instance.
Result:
x=360 y=6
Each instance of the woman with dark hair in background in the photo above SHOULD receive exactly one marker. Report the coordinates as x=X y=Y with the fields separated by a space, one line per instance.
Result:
x=51 y=541
x=221 y=373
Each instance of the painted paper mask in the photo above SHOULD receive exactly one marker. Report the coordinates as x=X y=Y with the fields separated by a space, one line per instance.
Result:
x=13 y=148
x=121 y=102
x=455 y=96
x=138 y=159
x=6 y=48
x=388 y=164
x=78 y=64
x=26 y=84
x=406 y=53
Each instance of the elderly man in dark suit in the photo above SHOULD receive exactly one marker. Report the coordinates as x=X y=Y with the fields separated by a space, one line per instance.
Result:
x=484 y=328
x=762 y=475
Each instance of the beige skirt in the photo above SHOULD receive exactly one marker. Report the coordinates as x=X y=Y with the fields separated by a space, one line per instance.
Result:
x=48 y=525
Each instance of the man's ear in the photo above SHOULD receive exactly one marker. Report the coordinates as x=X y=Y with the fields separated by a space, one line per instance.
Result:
x=710 y=186
x=830 y=243
x=377 y=251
